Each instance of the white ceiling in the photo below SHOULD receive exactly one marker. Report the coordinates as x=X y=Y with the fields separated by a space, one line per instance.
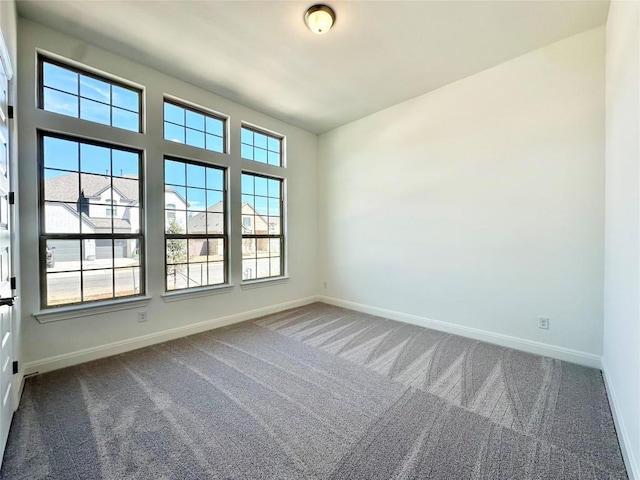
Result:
x=260 y=54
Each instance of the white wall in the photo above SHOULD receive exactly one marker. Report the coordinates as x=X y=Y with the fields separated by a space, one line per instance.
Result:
x=62 y=220
x=479 y=204
x=621 y=360
x=43 y=341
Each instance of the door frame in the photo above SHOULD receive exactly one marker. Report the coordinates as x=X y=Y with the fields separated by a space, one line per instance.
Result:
x=5 y=59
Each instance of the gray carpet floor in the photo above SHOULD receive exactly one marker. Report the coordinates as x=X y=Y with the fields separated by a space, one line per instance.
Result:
x=317 y=392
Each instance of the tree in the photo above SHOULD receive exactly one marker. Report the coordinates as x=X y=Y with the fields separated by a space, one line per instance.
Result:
x=176 y=250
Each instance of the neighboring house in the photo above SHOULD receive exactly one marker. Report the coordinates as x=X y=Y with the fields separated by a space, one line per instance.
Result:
x=254 y=223
x=197 y=223
x=175 y=208
x=94 y=206
x=64 y=218
x=98 y=205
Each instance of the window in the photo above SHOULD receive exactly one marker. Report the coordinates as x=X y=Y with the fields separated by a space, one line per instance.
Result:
x=73 y=92
x=86 y=257
x=260 y=147
x=184 y=124
x=113 y=210
x=262 y=235
x=170 y=212
x=195 y=225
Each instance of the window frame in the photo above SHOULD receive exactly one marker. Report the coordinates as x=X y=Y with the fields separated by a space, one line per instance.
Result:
x=282 y=236
x=204 y=236
x=188 y=106
x=43 y=236
x=43 y=58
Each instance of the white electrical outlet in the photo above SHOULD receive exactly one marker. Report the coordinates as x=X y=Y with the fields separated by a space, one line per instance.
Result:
x=142 y=316
x=543 y=323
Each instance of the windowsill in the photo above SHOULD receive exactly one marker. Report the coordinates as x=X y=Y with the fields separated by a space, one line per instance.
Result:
x=186 y=294
x=263 y=282
x=76 y=311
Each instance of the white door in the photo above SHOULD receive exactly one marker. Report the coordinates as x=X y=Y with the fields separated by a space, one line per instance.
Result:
x=6 y=292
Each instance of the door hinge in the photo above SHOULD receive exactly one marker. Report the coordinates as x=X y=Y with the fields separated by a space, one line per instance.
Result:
x=12 y=198
x=10 y=111
x=14 y=283
x=15 y=367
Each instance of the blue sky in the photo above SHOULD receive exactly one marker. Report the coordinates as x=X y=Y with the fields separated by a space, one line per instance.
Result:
x=98 y=101
x=68 y=156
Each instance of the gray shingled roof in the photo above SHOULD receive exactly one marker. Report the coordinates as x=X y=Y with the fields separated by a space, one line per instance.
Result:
x=58 y=188
x=119 y=225
x=213 y=216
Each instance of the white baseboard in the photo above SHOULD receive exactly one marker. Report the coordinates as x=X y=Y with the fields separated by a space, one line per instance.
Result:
x=539 y=348
x=630 y=461
x=107 y=350
x=101 y=351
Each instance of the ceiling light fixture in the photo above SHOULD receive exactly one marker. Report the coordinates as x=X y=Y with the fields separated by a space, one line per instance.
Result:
x=319 y=19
